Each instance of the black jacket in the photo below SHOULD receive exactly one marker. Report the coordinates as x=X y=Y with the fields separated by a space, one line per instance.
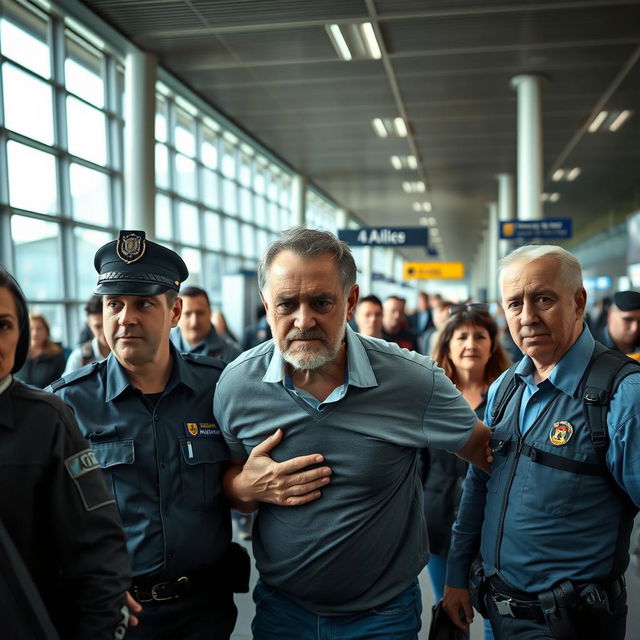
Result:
x=62 y=519
x=443 y=474
x=43 y=370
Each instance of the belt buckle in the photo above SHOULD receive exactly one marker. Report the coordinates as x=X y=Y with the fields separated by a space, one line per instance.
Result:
x=504 y=607
x=154 y=592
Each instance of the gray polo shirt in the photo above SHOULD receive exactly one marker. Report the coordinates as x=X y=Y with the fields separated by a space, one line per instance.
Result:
x=364 y=541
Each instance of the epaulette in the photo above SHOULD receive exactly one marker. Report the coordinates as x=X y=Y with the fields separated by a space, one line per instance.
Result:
x=74 y=376
x=206 y=361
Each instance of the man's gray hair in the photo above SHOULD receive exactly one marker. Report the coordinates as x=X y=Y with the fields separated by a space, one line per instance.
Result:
x=570 y=269
x=308 y=243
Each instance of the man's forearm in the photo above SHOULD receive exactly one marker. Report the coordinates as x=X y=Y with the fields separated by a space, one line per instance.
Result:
x=236 y=491
x=475 y=451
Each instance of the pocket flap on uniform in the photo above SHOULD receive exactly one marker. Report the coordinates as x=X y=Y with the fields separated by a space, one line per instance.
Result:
x=201 y=450
x=110 y=454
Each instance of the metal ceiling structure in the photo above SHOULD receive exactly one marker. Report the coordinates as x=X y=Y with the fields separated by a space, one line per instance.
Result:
x=446 y=67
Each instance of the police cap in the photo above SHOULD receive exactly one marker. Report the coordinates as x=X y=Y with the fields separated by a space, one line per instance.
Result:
x=135 y=266
x=627 y=300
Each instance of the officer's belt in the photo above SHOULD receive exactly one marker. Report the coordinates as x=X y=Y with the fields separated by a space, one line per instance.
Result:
x=518 y=604
x=153 y=588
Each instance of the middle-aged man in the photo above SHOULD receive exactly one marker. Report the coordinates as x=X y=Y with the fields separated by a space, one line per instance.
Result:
x=552 y=521
x=195 y=333
x=94 y=349
x=394 y=324
x=622 y=331
x=345 y=561
x=147 y=413
x=368 y=316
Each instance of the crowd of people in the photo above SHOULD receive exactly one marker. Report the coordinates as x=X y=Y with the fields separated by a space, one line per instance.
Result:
x=495 y=444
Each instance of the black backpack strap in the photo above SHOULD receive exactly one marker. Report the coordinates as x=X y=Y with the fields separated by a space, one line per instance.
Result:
x=504 y=393
x=606 y=370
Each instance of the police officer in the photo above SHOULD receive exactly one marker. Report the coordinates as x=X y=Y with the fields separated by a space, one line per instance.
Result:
x=553 y=520
x=195 y=333
x=54 y=503
x=622 y=331
x=147 y=412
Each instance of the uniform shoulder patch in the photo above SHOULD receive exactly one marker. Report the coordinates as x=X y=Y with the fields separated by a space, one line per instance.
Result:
x=80 y=463
x=206 y=361
x=74 y=376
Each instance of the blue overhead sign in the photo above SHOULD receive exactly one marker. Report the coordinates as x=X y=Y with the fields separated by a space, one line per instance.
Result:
x=548 y=228
x=385 y=236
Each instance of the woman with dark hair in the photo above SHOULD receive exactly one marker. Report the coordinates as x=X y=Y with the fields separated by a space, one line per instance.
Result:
x=469 y=351
x=54 y=504
x=46 y=359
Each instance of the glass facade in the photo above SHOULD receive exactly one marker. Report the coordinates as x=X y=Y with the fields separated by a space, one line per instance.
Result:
x=220 y=196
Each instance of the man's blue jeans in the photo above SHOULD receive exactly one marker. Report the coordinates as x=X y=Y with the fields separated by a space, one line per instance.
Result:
x=279 y=617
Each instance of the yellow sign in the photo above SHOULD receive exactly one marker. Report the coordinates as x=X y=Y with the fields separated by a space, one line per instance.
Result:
x=434 y=270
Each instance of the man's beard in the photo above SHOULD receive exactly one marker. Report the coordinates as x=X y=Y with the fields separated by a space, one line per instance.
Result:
x=307 y=358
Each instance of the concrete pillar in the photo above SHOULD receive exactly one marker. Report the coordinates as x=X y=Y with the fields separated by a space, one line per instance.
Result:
x=530 y=178
x=506 y=208
x=139 y=142
x=492 y=252
x=342 y=219
x=367 y=267
x=298 y=201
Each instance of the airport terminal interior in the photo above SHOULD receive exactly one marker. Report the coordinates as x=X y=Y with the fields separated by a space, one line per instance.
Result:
x=448 y=131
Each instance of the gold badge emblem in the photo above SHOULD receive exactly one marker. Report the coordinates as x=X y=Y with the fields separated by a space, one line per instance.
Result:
x=131 y=246
x=192 y=428
x=560 y=433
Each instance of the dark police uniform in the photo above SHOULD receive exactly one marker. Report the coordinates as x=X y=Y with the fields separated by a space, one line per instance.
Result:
x=61 y=519
x=213 y=345
x=163 y=456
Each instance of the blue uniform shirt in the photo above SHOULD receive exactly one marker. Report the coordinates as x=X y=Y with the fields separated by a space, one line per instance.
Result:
x=164 y=464
x=623 y=461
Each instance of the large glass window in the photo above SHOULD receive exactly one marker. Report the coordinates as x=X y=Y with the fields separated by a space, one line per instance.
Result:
x=64 y=183
x=224 y=195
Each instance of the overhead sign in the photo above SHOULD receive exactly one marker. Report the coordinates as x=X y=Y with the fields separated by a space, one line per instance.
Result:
x=385 y=236
x=434 y=270
x=556 y=228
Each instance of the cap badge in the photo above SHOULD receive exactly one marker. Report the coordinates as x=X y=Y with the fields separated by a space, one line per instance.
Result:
x=131 y=246
x=560 y=433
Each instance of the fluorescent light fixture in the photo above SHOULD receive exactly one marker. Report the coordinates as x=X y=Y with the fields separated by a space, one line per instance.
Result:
x=558 y=174
x=572 y=174
x=379 y=128
x=426 y=206
x=417 y=206
x=620 y=119
x=597 y=121
x=338 y=41
x=370 y=40
x=396 y=162
x=401 y=127
x=414 y=187
x=432 y=220
x=554 y=197
x=412 y=162
x=424 y=221
x=435 y=231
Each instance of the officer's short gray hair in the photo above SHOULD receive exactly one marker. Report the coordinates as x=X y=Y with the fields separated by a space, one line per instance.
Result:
x=570 y=269
x=308 y=243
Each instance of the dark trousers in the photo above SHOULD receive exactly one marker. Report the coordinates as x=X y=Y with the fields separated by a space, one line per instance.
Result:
x=588 y=626
x=205 y=615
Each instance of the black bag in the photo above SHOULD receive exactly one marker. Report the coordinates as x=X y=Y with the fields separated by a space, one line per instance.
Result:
x=442 y=627
x=237 y=568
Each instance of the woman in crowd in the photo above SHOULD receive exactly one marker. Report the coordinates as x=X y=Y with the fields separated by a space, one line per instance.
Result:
x=46 y=360
x=469 y=351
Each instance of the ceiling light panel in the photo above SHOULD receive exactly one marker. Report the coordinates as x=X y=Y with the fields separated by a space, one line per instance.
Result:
x=390 y=127
x=619 y=120
x=404 y=162
x=354 y=41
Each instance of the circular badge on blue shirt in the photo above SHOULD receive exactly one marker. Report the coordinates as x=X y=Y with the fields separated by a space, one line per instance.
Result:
x=560 y=433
